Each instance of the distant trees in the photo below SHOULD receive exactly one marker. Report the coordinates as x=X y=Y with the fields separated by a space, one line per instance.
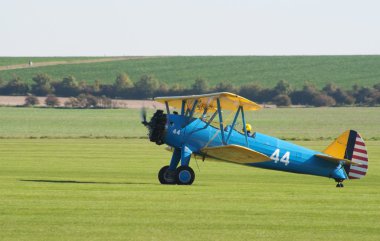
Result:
x=147 y=86
x=15 y=87
x=225 y=87
x=42 y=85
x=2 y=83
x=122 y=86
x=67 y=87
x=251 y=91
x=200 y=86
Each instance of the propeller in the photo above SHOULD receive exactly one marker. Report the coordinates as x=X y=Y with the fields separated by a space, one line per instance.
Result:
x=143 y=116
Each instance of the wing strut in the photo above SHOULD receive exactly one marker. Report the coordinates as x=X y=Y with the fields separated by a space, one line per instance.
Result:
x=233 y=124
x=183 y=107
x=167 y=107
x=244 y=127
x=220 y=120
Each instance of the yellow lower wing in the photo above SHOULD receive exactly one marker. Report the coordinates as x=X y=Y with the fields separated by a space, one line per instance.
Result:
x=235 y=153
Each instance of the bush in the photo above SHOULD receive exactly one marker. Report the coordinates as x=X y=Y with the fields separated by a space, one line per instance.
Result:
x=104 y=102
x=323 y=100
x=52 y=101
x=282 y=100
x=31 y=100
x=87 y=101
x=83 y=101
x=72 y=102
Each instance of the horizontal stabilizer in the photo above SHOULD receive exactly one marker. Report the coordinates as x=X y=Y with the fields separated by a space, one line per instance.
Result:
x=235 y=153
x=336 y=160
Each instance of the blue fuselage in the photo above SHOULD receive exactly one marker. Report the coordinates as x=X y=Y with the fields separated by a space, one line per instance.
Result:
x=195 y=134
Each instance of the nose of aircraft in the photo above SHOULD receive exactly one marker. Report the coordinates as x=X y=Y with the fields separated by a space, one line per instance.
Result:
x=156 y=126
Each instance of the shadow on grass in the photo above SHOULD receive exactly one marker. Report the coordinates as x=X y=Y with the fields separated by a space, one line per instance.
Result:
x=87 y=182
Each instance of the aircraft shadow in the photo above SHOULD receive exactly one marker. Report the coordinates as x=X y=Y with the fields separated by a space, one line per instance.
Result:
x=86 y=182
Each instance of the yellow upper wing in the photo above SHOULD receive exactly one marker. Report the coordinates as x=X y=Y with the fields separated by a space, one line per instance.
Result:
x=228 y=101
x=235 y=153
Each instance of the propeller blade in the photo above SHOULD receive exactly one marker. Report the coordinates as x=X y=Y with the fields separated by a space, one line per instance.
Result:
x=143 y=116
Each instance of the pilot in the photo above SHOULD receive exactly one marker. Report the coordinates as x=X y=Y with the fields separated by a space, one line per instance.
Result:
x=248 y=127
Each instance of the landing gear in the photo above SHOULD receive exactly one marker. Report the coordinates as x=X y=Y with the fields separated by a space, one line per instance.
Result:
x=185 y=175
x=165 y=176
x=339 y=183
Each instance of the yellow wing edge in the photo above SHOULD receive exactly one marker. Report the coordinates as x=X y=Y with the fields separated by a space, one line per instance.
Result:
x=235 y=153
x=228 y=101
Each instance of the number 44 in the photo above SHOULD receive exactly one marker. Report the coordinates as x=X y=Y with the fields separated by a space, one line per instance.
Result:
x=276 y=157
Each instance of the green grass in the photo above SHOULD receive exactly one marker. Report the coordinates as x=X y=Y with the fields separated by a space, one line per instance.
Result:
x=107 y=190
x=288 y=123
x=5 y=61
x=345 y=71
x=69 y=123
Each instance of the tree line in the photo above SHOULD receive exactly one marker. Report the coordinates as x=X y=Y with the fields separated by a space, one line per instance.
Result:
x=282 y=94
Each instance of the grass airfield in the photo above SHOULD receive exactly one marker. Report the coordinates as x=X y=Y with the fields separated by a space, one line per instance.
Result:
x=107 y=189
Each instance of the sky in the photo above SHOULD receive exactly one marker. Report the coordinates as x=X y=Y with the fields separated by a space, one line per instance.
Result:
x=192 y=27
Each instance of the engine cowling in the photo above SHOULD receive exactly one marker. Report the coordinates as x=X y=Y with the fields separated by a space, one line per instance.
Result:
x=157 y=127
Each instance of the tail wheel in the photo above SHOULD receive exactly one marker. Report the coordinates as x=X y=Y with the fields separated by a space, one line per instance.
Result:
x=185 y=175
x=165 y=176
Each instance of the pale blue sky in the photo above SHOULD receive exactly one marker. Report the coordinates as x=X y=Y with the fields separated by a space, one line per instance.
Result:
x=193 y=27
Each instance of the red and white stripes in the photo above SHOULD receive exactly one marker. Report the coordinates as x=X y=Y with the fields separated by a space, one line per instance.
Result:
x=360 y=156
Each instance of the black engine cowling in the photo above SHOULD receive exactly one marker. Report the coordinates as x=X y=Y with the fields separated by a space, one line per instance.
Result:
x=156 y=127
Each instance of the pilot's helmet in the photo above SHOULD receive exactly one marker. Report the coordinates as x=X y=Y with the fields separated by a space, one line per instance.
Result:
x=248 y=127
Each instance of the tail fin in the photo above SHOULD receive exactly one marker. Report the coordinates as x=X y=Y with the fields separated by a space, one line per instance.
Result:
x=351 y=146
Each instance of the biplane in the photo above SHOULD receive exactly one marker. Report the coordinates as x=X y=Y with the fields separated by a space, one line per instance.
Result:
x=214 y=126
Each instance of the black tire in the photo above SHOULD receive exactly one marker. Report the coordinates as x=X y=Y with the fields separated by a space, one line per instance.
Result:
x=185 y=175
x=163 y=176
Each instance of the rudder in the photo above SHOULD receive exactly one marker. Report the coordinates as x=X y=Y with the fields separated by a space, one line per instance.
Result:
x=350 y=145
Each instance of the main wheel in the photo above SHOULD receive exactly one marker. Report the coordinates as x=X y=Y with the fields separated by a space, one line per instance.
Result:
x=165 y=176
x=185 y=175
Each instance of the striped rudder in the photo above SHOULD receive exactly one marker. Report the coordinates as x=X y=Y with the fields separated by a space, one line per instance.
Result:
x=357 y=154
